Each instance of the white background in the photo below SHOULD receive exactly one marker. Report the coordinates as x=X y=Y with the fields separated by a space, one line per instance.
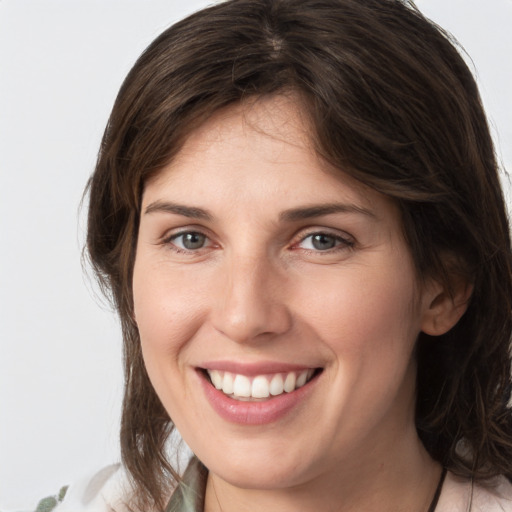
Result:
x=61 y=64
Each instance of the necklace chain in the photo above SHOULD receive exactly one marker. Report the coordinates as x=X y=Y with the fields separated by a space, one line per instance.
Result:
x=439 y=488
x=431 y=508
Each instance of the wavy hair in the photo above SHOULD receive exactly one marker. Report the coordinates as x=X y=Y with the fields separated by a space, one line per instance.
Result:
x=392 y=103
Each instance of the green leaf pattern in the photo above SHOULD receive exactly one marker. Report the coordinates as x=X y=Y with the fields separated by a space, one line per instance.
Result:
x=48 y=504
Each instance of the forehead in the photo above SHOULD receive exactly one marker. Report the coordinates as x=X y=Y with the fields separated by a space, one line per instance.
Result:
x=271 y=128
x=281 y=118
x=254 y=148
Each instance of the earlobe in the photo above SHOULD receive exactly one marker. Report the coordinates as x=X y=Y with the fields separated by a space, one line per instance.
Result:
x=444 y=309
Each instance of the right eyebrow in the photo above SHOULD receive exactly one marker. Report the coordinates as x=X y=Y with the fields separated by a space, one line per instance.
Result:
x=320 y=210
x=178 y=209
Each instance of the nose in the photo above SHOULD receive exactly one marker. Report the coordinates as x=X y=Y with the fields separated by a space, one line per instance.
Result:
x=251 y=304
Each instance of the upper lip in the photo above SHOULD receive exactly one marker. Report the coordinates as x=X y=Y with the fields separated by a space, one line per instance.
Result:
x=251 y=369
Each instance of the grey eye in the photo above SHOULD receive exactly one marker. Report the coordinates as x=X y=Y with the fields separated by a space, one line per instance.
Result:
x=323 y=242
x=190 y=241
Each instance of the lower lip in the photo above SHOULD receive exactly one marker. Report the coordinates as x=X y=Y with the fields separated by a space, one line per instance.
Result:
x=254 y=413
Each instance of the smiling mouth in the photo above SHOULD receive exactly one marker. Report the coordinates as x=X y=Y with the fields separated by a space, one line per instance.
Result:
x=259 y=387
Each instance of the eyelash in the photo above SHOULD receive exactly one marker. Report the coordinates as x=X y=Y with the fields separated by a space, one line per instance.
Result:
x=341 y=243
x=170 y=241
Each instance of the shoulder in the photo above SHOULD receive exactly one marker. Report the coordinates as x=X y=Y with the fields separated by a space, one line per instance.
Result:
x=110 y=490
x=462 y=495
x=103 y=491
x=496 y=495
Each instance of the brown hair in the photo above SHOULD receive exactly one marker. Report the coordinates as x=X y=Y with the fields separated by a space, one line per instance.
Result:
x=392 y=103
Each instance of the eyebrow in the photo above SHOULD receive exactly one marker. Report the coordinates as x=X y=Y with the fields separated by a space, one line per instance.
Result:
x=320 y=210
x=291 y=215
x=178 y=209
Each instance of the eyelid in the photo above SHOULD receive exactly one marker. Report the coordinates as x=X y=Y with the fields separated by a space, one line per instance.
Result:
x=346 y=240
x=168 y=238
x=172 y=232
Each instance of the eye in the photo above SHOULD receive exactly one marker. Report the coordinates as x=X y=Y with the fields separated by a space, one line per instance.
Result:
x=324 y=242
x=189 y=240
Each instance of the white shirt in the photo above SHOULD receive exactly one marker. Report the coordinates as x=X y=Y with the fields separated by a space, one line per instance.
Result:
x=109 y=489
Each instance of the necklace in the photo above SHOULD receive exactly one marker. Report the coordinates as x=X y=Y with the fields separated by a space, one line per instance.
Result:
x=189 y=496
x=435 y=499
x=431 y=508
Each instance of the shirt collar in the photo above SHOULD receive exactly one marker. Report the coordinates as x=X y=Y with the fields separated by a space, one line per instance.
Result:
x=189 y=495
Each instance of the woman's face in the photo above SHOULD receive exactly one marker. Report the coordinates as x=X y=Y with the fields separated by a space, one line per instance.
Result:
x=290 y=287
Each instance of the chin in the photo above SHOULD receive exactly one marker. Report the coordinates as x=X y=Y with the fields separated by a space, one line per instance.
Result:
x=259 y=469
x=261 y=478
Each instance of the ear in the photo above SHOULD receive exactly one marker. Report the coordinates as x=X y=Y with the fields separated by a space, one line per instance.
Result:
x=443 y=308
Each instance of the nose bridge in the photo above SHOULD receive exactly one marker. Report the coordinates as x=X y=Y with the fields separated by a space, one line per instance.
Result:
x=252 y=301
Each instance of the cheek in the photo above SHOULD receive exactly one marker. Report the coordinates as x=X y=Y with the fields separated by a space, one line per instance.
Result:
x=363 y=302
x=369 y=321
x=168 y=314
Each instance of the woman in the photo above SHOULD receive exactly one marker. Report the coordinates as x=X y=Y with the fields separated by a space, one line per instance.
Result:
x=297 y=211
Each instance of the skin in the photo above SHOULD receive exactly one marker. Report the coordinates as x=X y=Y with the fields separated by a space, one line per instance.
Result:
x=258 y=289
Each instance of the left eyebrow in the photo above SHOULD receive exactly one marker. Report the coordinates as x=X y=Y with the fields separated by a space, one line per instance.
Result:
x=178 y=209
x=308 y=212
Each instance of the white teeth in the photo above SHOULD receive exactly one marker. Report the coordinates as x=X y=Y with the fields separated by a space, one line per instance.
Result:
x=301 y=379
x=261 y=386
x=216 y=379
x=227 y=383
x=277 y=385
x=242 y=386
x=289 y=382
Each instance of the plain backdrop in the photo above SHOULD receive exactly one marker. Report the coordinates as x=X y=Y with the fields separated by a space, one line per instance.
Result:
x=61 y=64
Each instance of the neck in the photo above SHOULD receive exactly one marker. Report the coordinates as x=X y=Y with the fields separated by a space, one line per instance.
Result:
x=401 y=479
